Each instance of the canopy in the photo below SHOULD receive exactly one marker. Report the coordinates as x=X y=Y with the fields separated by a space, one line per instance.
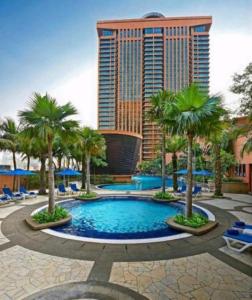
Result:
x=182 y=172
x=3 y=172
x=19 y=172
x=203 y=173
x=68 y=172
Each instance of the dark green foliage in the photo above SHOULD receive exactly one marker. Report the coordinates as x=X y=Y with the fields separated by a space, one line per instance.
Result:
x=87 y=196
x=195 y=221
x=243 y=86
x=45 y=217
x=164 y=196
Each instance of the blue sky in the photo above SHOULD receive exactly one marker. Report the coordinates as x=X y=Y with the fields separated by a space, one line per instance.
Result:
x=51 y=45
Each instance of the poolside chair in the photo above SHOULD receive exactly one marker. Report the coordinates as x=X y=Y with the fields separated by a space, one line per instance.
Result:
x=237 y=240
x=4 y=199
x=62 y=189
x=181 y=191
x=26 y=193
x=196 y=191
x=74 y=188
x=13 y=196
x=242 y=225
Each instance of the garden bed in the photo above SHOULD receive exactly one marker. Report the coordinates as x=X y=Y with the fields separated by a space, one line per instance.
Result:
x=37 y=226
x=195 y=231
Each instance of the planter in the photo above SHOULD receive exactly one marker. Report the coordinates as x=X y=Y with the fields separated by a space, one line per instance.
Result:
x=195 y=231
x=235 y=187
x=36 y=226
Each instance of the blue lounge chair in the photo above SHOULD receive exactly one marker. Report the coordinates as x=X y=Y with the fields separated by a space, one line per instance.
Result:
x=74 y=188
x=181 y=190
x=62 y=189
x=242 y=225
x=13 y=196
x=196 y=190
x=237 y=240
x=26 y=193
x=4 y=199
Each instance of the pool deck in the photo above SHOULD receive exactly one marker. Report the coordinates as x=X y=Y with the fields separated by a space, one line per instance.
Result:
x=35 y=265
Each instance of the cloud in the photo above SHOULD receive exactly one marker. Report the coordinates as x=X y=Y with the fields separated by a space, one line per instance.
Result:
x=81 y=89
x=230 y=52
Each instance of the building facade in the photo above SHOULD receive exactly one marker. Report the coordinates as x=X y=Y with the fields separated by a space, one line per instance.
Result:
x=139 y=57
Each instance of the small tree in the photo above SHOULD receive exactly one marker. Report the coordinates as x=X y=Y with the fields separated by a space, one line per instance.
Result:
x=174 y=145
x=91 y=144
x=47 y=120
x=159 y=115
x=243 y=86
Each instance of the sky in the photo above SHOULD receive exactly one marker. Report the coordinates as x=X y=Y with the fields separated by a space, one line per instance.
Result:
x=51 y=46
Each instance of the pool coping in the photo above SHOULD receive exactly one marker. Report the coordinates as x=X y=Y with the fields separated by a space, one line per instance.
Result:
x=49 y=231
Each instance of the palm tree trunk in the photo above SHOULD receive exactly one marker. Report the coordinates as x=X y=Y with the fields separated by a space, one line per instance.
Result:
x=189 y=178
x=28 y=163
x=51 y=204
x=88 y=173
x=42 y=175
x=218 y=171
x=163 y=162
x=174 y=174
x=59 y=162
x=14 y=166
x=83 y=175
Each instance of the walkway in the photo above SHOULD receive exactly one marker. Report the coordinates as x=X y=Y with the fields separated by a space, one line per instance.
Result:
x=191 y=268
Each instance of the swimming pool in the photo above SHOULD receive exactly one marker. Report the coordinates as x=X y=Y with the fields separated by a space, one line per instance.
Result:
x=139 y=183
x=119 y=218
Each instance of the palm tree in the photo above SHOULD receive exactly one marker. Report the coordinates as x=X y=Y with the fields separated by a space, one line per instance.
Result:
x=9 y=139
x=47 y=120
x=159 y=115
x=194 y=112
x=173 y=145
x=91 y=144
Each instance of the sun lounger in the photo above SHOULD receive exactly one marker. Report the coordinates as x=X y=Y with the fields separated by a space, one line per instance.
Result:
x=181 y=191
x=196 y=191
x=74 y=188
x=242 y=225
x=4 y=199
x=62 y=189
x=26 y=193
x=13 y=196
x=237 y=240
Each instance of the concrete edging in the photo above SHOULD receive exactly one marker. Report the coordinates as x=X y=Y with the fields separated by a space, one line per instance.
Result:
x=36 y=226
x=195 y=231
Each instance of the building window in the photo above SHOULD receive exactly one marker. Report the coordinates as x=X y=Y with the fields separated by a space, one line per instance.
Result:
x=201 y=28
x=152 y=30
x=107 y=32
x=240 y=170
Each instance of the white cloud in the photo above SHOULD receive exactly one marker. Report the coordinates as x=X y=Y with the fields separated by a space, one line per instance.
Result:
x=81 y=89
x=230 y=52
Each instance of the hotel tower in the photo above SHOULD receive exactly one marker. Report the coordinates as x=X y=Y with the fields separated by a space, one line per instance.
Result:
x=139 y=57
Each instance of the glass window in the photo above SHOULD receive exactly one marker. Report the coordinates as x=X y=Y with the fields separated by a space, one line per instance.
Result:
x=201 y=28
x=106 y=32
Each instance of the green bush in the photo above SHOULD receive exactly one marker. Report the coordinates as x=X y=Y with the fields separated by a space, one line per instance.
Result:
x=44 y=217
x=164 y=196
x=87 y=196
x=195 y=221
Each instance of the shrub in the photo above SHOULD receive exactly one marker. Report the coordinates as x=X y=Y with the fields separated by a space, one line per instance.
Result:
x=164 y=196
x=195 y=221
x=87 y=196
x=44 y=217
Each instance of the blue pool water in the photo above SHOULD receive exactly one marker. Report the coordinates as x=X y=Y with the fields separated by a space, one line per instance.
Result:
x=119 y=218
x=141 y=182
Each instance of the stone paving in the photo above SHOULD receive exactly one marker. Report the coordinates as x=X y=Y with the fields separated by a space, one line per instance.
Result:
x=202 y=276
x=24 y=272
x=196 y=277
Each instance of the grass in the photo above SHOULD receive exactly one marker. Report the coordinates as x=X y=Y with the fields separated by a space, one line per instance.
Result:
x=164 y=196
x=195 y=221
x=87 y=196
x=44 y=217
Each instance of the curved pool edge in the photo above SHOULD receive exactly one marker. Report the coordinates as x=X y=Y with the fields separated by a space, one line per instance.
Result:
x=209 y=214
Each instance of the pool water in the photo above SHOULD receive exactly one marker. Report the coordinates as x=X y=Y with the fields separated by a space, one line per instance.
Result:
x=119 y=218
x=140 y=182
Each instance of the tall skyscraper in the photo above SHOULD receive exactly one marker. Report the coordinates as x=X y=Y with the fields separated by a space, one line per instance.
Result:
x=138 y=57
